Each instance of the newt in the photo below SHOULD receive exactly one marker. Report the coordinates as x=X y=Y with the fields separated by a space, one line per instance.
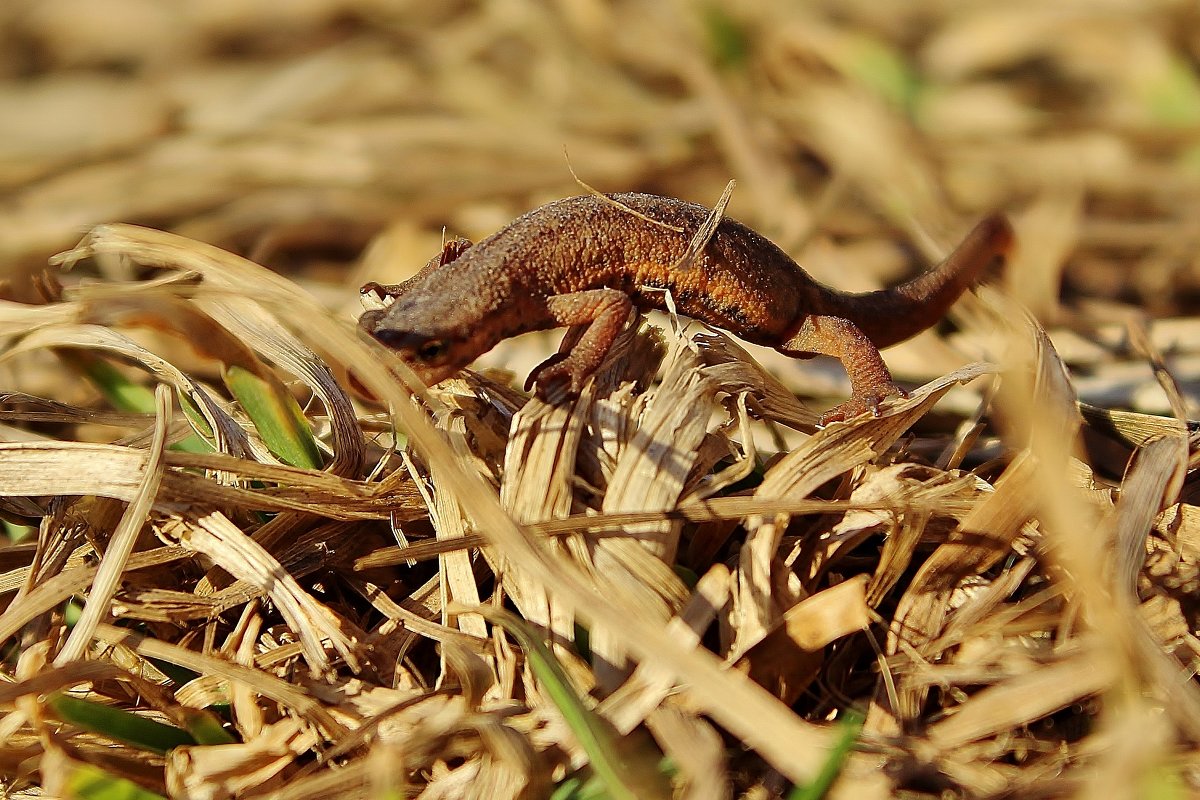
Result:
x=590 y=260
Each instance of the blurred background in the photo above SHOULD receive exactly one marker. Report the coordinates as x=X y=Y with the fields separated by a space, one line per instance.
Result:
x=334 y=140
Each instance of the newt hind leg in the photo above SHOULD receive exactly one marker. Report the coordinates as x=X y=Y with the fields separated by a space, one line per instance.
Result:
x=600 y=314
x=870 y=380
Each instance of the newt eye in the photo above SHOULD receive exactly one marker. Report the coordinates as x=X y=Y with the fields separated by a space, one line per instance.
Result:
x=433 y=351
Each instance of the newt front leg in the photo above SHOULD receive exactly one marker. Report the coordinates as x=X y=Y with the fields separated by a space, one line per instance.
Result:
x=604 y=311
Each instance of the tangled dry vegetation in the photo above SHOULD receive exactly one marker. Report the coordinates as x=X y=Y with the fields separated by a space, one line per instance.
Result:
x=239 y=559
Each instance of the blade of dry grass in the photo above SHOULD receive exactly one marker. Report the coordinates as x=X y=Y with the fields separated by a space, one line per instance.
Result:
x=116 y=556
x=538 y=485
x=637 y=697
x=233 y=277
x=828 y=453
x=241 y=767
x=458 y=582
x=1023 y=698
x=81 y=469
x=671 y=423
x=984 y=537
x=734 y=369
x=221 y=540
x=295 y=699
x=731 y=700
x=229 y=435
x=695 y=749
x=49 y=593
x=1155 y=475
x=786 y=659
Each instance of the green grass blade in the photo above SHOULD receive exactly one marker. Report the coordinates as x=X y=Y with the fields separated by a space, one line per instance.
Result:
x=125 y=395
x=728 y=42
x=16 y=533
x=92 y=783
x=568 y=789
x=277 y=417
x=1173 y=96
x=198 y=421
x=1163 y=781
x=584 y=786
x=622 y=777
x=205 y=727
x=134 y=730
x=71 y=613
x=121 y=393
x=178 y=675
x=850 y=726
x=883 y=69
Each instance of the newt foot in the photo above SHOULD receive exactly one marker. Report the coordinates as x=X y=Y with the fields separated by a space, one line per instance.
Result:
x=373 y=287
x=556 y=379
x=860 y=404
x=535 y=375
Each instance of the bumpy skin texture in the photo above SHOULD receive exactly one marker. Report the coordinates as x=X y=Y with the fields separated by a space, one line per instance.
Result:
x=588 y=261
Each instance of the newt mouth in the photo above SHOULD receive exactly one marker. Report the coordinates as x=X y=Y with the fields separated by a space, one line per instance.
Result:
x=372 y=323
x=369 y=321
x=403 y=341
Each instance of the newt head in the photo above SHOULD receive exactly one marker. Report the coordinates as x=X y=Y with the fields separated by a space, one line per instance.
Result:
x=433 y=351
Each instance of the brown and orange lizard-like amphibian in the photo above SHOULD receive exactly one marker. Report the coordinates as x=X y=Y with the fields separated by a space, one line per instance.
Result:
x=589 y=260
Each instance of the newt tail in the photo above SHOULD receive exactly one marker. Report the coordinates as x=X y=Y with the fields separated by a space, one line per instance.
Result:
x=889 y=316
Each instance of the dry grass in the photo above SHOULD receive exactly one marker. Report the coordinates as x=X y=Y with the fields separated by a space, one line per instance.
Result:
x=226 y=517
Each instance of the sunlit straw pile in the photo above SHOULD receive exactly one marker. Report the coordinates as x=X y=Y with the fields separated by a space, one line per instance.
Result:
x=240 y=558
